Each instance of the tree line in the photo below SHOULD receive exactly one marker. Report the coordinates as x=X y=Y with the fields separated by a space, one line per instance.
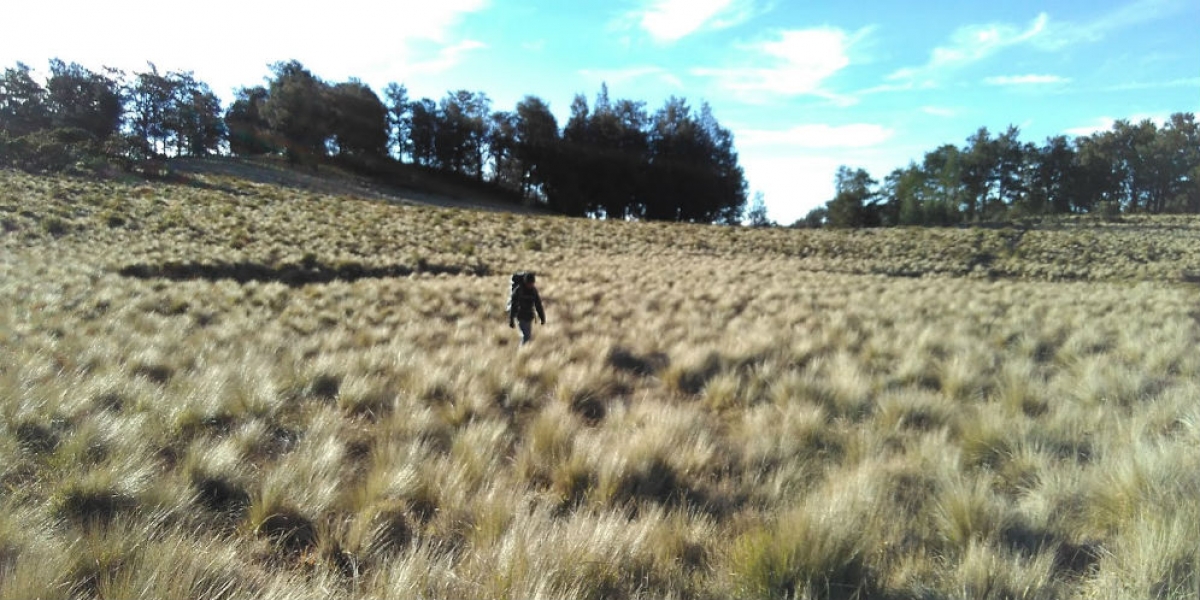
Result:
x=612 y=158
x=1139 y=167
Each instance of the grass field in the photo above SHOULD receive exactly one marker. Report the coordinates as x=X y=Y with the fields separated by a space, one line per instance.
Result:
x=221 y=389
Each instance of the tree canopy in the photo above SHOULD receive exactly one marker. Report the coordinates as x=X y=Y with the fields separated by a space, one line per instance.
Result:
x=1142 y=167
x=613 y=158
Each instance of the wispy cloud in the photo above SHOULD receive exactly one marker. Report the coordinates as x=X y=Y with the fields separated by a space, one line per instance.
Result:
x=669 y=21
x=939 y=111
x=1011 y=80
x=975 y=43
x=1101 y=124
x=969 y=45
x=792 y=63
x=1133 y=13
x=630 y=74
x=447 y=57
x=817 y=135
x=1097 y=125
x=1192 y=82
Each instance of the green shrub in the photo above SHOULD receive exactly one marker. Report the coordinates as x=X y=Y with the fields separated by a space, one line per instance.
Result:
x=802 y=556
x=51 y=151
x=55 y=226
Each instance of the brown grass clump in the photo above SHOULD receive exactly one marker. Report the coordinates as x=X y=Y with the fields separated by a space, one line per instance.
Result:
x=235 y=390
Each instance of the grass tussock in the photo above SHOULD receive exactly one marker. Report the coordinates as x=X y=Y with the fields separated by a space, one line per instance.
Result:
x=236 y=390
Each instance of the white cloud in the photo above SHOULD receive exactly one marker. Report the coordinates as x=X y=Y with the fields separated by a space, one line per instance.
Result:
x=968 y=45
x=794 y=168
x=672 y=20
x=819 y=135
x=797 y=180
x=793 y=63
x=792 y=185
x=1025 y=80
x=229 y=43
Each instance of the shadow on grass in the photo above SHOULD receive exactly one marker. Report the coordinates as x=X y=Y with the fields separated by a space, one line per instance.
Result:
x=294 y=275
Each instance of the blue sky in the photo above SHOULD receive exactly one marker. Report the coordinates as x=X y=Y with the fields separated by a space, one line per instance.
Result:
x=804 y=86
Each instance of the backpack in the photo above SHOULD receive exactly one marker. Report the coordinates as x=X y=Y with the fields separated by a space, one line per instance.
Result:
x=517 y=279
x=521 y=277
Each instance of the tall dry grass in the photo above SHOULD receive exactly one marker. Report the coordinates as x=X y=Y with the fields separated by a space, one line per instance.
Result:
x=240 y=391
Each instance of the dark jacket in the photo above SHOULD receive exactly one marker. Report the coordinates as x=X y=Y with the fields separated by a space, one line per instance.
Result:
x=522 y=302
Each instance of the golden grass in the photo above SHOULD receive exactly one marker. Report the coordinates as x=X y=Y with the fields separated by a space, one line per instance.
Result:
x=230 y=390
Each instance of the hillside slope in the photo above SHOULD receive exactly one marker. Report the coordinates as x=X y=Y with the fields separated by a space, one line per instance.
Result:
x=218 y=216
x=422 y=187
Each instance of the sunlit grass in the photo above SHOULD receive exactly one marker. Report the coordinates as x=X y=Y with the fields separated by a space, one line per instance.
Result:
x=709 y=413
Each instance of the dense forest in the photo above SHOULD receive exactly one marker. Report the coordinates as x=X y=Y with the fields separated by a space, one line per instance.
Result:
x=612 y=158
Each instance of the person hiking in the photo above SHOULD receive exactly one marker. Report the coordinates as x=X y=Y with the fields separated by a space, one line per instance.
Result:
x=522 y=302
